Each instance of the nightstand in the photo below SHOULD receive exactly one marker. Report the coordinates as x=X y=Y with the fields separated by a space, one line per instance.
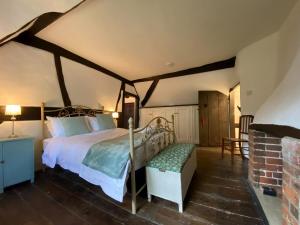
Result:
x=16 y=161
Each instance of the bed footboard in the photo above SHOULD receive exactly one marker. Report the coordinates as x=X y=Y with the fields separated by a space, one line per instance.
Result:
x=158 y=127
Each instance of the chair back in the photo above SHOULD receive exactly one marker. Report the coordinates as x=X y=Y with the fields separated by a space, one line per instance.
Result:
x=245 y=121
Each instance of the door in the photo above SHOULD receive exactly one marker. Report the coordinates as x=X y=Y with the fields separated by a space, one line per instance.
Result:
x=203 y=118
x=213 y=118
x=128 y=111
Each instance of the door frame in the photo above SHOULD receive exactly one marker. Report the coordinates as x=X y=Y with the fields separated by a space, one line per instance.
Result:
x=137 y=111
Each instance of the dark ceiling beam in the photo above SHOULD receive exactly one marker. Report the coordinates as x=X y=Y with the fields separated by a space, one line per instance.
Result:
x=40 y=23
x=39 y=43
x=61 y=81
x=228 y=63
x=149 y=92
x=122 y=89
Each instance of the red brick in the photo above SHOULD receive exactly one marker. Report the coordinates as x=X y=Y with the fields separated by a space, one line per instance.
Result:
x=277 y=175
x=272 y=154
x=296 y=186
x=259 y=146
x=258 y=173
x=275 y=168
x=274 y=161
x=290 y=194
x=267 y=180
x=268 y=140
x=286 y=178
x=285 y=202
x=269 y=174
x=260 y=166
x=294 y=211
x=274 y=148
x=259 y=153
x=259 y=159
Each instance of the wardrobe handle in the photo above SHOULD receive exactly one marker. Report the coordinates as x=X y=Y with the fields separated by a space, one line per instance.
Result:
x=2 y=162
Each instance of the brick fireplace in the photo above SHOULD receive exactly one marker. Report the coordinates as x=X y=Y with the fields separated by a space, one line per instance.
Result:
x=291 y=180
x=275 y=162
x=265 y=160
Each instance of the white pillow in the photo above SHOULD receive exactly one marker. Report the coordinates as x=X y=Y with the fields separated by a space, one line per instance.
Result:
x=93 y=122
x=55 y=127
x=49 y=131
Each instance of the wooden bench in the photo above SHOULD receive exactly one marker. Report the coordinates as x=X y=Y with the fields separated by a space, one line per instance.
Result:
x=170 y=172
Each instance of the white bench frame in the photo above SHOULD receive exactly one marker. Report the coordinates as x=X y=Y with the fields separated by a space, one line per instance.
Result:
x=170 y=185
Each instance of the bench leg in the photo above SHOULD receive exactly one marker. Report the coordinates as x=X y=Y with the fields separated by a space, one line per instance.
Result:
x=149 y=197
x=180 y=207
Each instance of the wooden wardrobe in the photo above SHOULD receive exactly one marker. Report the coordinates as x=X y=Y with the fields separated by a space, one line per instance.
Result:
x=213 y=118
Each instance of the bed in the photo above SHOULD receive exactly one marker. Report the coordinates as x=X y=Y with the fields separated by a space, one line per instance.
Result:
x=70 y=152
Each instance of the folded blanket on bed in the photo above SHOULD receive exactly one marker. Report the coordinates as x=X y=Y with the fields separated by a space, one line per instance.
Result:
x=111 y=156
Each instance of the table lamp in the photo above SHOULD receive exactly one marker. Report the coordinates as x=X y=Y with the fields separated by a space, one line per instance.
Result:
x=13 y=111
x=115 y=115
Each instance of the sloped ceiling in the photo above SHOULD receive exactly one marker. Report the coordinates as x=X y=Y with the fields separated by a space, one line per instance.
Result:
x=15 y=13
x=137 y=38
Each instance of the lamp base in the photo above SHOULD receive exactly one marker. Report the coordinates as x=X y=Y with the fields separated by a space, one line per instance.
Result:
x=12 y=136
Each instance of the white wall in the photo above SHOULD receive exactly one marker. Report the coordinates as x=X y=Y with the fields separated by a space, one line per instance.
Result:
x=28 y=77
x=89 y=87
x=184 y=90
x=283 y=106
x=186 y=121
x=256 y=67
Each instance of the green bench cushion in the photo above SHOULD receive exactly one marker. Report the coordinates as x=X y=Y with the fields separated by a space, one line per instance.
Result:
x=172 y=158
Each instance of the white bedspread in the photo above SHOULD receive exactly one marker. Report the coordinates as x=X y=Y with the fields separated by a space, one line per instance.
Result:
x=68 y=152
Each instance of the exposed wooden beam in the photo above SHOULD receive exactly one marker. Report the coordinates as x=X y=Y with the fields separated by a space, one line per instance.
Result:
x=149 y=92
x=231 y=89
x=40 y=22
x=39 y=43
x=228 y=63
x=61 y=81
x=122 y=88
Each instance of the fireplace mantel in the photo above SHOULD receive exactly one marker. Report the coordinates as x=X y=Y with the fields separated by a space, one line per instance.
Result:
x=279 y=131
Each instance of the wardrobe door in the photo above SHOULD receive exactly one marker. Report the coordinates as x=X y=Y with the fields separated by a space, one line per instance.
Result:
x=183 y=124
x=213 y=119
x=203 y=118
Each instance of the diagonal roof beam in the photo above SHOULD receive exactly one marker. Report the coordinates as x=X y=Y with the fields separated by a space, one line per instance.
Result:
x=39 y=24
x=39 y=43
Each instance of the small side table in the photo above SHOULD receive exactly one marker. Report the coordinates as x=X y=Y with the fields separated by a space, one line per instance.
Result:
x=16 y=160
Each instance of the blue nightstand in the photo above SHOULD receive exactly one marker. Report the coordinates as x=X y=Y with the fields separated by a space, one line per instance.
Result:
x=16 y=161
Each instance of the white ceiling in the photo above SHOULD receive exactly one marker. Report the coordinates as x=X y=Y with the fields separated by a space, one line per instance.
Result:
x=15 y=13
x=136 y=38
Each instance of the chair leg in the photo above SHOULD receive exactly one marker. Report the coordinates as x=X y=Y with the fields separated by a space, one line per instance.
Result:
x=223 y=146
x=241 y=151
x=232 y=150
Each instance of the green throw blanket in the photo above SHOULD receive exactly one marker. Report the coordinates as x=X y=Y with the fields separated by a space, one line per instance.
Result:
x=110 y=156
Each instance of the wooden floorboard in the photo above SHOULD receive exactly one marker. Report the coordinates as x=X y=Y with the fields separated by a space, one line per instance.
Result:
x=218 y=195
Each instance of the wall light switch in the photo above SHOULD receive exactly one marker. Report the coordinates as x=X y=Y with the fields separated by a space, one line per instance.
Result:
x=249 y=92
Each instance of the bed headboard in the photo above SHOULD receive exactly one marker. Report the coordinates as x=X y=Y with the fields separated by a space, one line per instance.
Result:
x=68 y=111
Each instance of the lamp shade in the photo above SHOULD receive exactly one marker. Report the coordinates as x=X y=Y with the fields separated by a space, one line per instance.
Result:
x=115 y=115
x=13 y=110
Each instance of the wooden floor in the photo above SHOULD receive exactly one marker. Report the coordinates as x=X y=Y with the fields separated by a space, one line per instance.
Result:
x=218 y=195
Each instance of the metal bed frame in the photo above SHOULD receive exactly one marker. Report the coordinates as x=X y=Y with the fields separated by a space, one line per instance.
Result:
x=158 y=133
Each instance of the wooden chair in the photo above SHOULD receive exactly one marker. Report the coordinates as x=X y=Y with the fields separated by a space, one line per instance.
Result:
x=230 y=143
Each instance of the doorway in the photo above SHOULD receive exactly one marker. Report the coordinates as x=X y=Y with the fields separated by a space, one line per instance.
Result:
x=130 y=109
